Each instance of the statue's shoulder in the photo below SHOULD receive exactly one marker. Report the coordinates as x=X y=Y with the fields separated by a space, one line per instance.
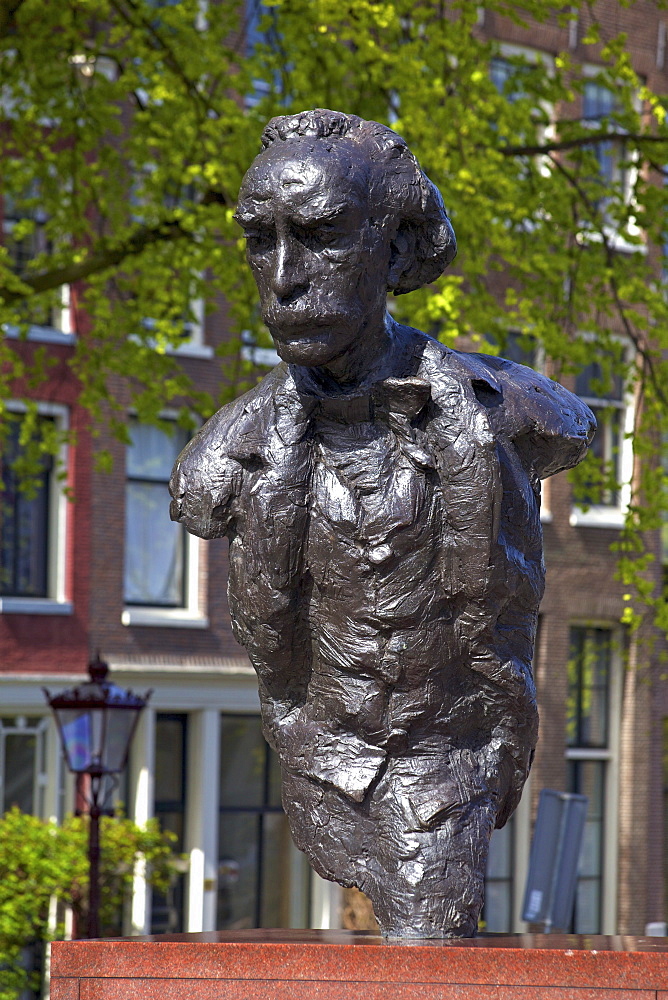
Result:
x=245 y=414
x=548 y=424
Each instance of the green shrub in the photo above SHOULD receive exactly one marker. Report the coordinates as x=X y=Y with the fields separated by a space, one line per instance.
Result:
x=39 y=860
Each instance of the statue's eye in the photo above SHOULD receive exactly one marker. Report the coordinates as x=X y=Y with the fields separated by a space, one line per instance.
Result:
x=318 y=237
x=260 y=240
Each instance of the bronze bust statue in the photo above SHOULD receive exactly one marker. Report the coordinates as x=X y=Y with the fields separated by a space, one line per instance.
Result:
x=380 y=493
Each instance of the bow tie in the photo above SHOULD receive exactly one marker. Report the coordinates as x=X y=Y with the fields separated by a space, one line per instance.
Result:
x=405 y=397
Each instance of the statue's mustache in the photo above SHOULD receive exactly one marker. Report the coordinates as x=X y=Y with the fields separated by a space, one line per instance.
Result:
x=298 y=314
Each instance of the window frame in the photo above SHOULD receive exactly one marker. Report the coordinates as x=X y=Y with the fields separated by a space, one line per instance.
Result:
x=506 y=51
x=612 y=515
x=192 y=614
x=610 y=757
x=628 y=177
x=40 y=776
x=57 y=601
x=62 y=328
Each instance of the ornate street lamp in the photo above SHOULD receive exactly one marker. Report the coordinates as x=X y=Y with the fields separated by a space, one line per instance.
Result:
x=96 y=722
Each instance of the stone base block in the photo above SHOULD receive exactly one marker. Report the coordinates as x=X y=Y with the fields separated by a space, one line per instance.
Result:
x=347 y=965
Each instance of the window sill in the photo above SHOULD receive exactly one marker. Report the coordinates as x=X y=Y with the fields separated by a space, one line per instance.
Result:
x=203 y=351
x=186 y=349
x=597 y=517
x=164 y=618
x=40 y=334
x=34 y=606
x=615 y=238
x=265 y=357
x=545 y=516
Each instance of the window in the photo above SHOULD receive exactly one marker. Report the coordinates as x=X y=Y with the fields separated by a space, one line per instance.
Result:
x=599 y=104
x=24 y=235
x=33 y=516
x=161 y=576
x=181 y=327
x=262 y=33
x=604 y=493
x=262 y=878
x=503 y=74
x=265 y=357
x=171 y=730
x=520 y=75
x=598 y=107
x=23 y=763
x=614 y=165
x=591 y=738
x=499 y=905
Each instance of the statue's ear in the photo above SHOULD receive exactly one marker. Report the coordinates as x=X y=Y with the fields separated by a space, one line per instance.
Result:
x=402 y=254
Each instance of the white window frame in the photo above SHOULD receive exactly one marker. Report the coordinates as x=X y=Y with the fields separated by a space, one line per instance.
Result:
x=40 y=774
x=610 y=756
x=615 y=238
x=508 y=51
x=193 y=612
x=61 y=329
x=264 y=357
x=612 y=515
x=57 y=602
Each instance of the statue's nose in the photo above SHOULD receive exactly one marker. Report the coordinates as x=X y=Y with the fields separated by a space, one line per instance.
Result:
x=289 y=278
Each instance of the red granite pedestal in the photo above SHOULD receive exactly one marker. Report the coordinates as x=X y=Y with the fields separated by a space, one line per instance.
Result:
x=344 y=965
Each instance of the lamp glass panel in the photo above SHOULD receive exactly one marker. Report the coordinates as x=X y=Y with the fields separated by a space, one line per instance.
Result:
x=120 y=723
x=77 y=731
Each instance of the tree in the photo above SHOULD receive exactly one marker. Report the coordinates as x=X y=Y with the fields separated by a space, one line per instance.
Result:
x=129 y=123
x=40 y=861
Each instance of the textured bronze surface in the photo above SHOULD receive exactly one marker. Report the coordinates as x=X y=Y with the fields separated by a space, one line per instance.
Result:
x=381 y=497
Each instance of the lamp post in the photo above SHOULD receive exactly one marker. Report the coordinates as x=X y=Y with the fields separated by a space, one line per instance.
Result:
x=96 y=721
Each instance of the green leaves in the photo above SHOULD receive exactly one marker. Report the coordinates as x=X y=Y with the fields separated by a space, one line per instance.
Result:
x=39 y=861
x=127 y=128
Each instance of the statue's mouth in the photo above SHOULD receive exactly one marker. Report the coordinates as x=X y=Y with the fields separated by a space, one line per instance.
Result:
x=300 y=326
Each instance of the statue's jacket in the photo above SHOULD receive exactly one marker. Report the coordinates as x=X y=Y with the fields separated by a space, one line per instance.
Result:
x=386 y=566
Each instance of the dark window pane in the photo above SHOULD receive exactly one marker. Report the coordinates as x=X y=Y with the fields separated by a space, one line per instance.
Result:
x=19 y=777
x=24 y=524
x=155 y=547
x=239 y=851
x=262 y=882
x=588 y=687
x=169 y=758
x=597 y=101
x=594 y=382
x=242 y=762
x=276 y=871
x=171 y=731
x=497 y=910
x=587 y=777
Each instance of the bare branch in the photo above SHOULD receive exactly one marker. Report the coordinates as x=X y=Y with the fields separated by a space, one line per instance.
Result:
x=584 y=140
x=105 y=255
x=135 y=19
x=635 y=338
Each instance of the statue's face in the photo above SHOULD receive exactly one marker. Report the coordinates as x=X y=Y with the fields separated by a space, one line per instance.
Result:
x=320 y=263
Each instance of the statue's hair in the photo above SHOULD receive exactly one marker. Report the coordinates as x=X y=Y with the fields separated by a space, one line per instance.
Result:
x=398 y=186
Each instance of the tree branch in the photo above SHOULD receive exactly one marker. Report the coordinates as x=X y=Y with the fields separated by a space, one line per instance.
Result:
x=635 y=338
x=105 y=255
x=8 y=9
x=584 y=140
x=136 y=20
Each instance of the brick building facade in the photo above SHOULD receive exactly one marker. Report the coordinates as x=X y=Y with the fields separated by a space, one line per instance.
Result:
x=119 y=578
